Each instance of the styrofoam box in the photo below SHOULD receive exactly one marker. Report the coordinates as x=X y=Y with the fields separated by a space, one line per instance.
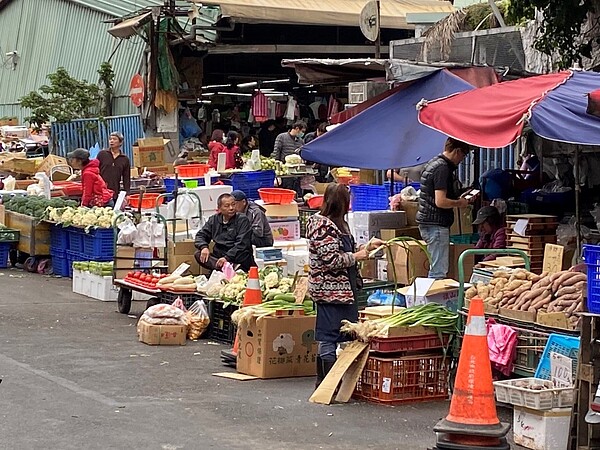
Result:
x=289 y=246
x=94 y=286
x=298 y=261
x=542 y=430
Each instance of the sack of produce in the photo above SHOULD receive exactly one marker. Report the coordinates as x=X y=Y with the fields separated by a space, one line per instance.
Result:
x=163 y=314
x=198 y=320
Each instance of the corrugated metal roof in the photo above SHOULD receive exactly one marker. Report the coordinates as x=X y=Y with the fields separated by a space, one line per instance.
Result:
x=77 y=40
x=118 y=8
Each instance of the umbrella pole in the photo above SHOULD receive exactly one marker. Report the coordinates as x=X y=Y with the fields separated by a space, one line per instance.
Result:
x=577 y=204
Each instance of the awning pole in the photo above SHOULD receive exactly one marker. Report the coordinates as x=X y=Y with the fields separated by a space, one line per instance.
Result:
x=378 y=41
x=577 y=205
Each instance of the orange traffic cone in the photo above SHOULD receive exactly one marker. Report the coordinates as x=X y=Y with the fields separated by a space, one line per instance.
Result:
x=472 y=421
x=253 y=296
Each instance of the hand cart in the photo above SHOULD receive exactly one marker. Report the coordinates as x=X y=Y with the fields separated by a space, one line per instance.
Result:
x=457 y=342
x=156 y=261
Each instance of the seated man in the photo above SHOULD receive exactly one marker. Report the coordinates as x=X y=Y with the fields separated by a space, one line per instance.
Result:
x=261 y=231
x=232 y=236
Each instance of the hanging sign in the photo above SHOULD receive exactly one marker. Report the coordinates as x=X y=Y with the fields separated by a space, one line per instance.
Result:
x=136 y=90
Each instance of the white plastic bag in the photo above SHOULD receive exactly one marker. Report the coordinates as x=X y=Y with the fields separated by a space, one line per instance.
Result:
x=214 y=284
x=409 y=194
x=198 y=320
x=187 y=207
x=127 y=232
x=143 y=237
x=158 y=234
x=9 y=183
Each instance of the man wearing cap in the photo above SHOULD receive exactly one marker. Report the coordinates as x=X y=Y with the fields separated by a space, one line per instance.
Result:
x=115 y=165
x=492 y=232
x=231 y=234
x=437 y=200
x=261 y=231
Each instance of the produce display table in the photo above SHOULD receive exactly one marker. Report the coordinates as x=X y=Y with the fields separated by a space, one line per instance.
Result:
x=34 y=235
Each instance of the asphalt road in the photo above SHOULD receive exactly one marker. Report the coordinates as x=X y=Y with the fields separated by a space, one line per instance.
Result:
x=74 y=376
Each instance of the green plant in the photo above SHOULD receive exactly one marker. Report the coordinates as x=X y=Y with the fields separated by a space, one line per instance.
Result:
x=65 y=98
x=561 y=29
x=107 y=78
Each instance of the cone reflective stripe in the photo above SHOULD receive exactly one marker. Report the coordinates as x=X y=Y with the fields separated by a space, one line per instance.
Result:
x=253 y=295
x=473 y=400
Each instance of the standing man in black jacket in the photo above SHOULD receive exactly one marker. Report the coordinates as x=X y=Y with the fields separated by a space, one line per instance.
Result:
x=115 y=165
x=440 y=194
x=232 y=236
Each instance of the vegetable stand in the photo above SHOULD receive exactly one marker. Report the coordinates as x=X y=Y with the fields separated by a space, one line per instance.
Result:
x=129 y=258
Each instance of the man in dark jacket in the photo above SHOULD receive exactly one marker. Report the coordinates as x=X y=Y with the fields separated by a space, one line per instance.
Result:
x=262 y=236
x=115 y=165
x=287 y=143
x=232 y=236
x=439 y=196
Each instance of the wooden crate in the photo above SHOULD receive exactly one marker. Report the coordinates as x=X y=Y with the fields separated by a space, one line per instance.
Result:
x=35 y=237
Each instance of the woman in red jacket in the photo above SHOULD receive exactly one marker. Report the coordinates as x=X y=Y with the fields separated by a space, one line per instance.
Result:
x=232 y=149
x=492 y=232
x=215 y=146
x=95 y=192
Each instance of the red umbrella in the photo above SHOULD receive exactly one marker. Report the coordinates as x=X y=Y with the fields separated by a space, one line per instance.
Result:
x=492 y=116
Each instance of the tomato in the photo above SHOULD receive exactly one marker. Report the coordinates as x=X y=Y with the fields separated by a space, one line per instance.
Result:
x=137 y=275
x=130 y=274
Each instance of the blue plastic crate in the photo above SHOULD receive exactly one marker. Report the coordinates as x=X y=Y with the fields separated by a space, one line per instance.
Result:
x=59 y=237
x=558 y=343
x=398 y=186
x=75 y=239
x=251 y=182
x=591 y=256
x=61 y=266
x=98 y=243
x=4 y=254
x=369 y=197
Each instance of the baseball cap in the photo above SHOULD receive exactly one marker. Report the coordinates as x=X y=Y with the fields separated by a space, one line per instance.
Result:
x=239 y=195
x=79 y=153
x=485 y=213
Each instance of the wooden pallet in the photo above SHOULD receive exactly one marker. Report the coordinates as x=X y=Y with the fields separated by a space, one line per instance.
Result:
x=542 y=238
x=532 y=218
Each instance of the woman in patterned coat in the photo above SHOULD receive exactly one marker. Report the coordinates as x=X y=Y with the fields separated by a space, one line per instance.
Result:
x=333 y=279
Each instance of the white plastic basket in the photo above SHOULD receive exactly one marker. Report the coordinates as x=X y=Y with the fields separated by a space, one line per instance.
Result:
x=510 y=392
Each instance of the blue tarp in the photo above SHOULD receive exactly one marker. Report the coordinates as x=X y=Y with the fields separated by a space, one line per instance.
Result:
x=387 y=135
x=561 y=115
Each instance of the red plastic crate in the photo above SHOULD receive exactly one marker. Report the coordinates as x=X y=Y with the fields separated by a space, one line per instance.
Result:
x=408 y=379
x=408 y=343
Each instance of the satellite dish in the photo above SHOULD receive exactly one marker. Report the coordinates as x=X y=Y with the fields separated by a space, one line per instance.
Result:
x=369 y=20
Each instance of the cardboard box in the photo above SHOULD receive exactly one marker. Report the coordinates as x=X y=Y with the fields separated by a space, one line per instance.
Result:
x=368 y=269
x=2 y=215
x=468 y=263
x=286 y=230
x=443 y=292
x=161 y=334
x=367 y=224
x=183 y=252
x=150 y=152
x=289 y=246
x=51 y=162
x=411 y=231
x=542 y=430
x=278 y=347
x=161 y=171
x=463 y=221
x=408 y=265
x=290 y=210
x=410 y=209
x=523 y=316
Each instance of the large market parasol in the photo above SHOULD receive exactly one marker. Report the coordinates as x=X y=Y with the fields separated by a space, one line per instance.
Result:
x=554 y=105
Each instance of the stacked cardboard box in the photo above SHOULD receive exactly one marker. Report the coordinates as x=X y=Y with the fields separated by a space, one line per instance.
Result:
x=531 y=233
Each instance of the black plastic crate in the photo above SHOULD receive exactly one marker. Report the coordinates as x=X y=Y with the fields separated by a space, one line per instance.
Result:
x=370 y=287
x=188 y=298
x=221 y=328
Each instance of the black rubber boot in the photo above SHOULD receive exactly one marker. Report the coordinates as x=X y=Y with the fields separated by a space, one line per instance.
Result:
x=320 y=375
x=327 y=365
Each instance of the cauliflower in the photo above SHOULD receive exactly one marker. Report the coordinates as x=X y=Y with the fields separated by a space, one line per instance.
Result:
x=214 y=290
x=77 y=219
x=89 y=219
x=105 y=222
x=271 y=280
x=67 y=216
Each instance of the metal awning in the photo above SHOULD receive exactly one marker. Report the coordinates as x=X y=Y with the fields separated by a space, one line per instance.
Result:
x=129 y=27
x=321 y=71
x=325 y=12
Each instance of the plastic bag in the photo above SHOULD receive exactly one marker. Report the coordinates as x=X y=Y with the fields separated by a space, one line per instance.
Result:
x=127 y=232
x=214 y=283
x=188 y=207
x=409 y=194
x=381 y=298
x=198 y=319
x=143 y=236
x=228 y=271
x=178 y=303
x=163 y=314
x=9 y=183
x=188 y=126
x=158 y=234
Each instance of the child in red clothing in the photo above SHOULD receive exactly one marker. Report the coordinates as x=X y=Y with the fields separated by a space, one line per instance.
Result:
x=232 y=149
x=95 y=192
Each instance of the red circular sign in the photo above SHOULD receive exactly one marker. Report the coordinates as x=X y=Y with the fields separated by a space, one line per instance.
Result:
x=136 y=90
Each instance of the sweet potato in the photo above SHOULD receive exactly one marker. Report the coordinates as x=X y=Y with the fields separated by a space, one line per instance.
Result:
x=501 y=274
x=567 y=279
x=471 y=292
x=566 y=290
